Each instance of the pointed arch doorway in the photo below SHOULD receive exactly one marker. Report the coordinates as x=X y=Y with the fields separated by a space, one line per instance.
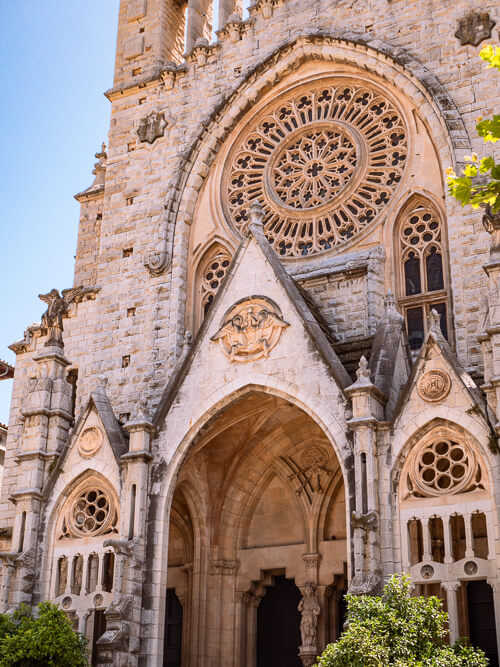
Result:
x=258 y=510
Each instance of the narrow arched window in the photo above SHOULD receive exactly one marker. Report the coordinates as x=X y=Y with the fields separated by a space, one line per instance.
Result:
x=423 y=282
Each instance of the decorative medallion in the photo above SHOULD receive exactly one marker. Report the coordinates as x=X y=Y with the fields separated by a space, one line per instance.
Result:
x=250 y=329
x=474 y=28
x=434 y=385
x=152 y=127
x=470 y=567
x=90 y=441
x=66 y=602
x=427 y=571
x=323 y=162
x=97 y=600
x=443 y=466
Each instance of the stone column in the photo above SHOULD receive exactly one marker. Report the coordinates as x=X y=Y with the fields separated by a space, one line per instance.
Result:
x=47 y=418
x=490 y=339
x=367 y=410
x=451 y=588
x=123 y=617
x=495 y=585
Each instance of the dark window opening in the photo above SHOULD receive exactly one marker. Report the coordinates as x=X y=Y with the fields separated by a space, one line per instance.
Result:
x=457 y=525
x=173 y=630
x=108 y=568
x=437 y=539
x=415 y=327
x=434 y=270
x=413 y=283
x=415 y=541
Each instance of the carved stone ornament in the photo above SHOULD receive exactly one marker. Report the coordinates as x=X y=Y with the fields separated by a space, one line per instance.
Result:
x=427 y=571
x=250 y=329
x=474 y=28
x=470 y=568
x=57 y=306
x=434 y=385
x=310 y=469
x=309 y=609
x=152 y=127
x=90 y=442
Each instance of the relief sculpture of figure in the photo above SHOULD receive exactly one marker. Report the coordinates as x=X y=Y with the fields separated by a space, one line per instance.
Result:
x=310 y=610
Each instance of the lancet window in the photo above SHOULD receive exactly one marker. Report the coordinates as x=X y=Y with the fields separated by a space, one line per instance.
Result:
x=213 y=272
x=423 y=276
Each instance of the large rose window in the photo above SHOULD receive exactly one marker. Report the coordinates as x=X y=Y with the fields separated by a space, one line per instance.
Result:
x=323 y=164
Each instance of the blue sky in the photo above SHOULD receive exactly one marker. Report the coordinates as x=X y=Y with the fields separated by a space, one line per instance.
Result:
x=57 y=60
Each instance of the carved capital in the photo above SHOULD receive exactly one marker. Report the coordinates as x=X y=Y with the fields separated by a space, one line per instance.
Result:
x=225 y=567
x=368 y=521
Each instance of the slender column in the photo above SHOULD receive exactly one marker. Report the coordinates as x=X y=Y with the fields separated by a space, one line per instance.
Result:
x=251 y=648
x=495 y=585
x=448 y=555
x=451 y=588
x=469 y=551
x=426 y=539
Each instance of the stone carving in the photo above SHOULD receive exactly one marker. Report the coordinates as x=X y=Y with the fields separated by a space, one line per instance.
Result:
x=434 y=385
x=474 y=28
x=66 y=602
x=313 y=464
x=90 y=442
x=470 y=567
x=212 y=274
x=58 y=305
x=367 y=521
x=310 y=162
x=250 y=329
x=97 y=600
x=152 y=127
x=427 y=571
x=224 y=566
x=310 y=610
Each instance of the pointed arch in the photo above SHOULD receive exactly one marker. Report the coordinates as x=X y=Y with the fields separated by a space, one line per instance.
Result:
x=421 y=271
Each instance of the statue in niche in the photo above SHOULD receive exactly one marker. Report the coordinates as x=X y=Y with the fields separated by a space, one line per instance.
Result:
x=310 y=610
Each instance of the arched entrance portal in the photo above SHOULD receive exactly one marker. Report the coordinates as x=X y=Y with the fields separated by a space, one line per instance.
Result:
x=258 y=511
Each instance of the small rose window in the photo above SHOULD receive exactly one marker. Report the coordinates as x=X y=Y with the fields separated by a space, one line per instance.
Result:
x=91 y=512
x=442 y=467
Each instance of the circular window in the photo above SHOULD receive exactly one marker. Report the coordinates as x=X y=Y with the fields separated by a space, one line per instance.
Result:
x=90 y=512
x=323 y=164
x=444 y=466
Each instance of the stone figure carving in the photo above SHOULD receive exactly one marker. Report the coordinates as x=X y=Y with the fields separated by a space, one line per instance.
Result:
x=58 y=305
x=152 y=127
x=474 y=28
x=310 y=610
x=250 y=329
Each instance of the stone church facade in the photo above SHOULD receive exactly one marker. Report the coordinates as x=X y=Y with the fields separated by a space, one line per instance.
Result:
x=276 y=377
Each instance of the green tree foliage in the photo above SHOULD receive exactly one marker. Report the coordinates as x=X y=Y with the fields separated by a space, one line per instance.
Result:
x=398 y=630
x=42 y=640
x=479 y=184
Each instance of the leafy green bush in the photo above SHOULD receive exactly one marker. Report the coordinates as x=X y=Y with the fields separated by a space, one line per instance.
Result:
x=479 y=184
x=398 y=630
x=42 y=640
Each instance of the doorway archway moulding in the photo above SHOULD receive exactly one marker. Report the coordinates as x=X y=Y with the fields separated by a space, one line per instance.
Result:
x=201 y=417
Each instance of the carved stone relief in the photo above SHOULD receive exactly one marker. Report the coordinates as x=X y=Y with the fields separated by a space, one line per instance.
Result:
x=310 y=468
x=434 y=385
x=250 y=329
x=90 y=441
x=474 y=28
x=152 y=127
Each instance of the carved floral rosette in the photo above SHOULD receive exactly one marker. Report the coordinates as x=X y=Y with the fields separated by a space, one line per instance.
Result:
x=250 y=329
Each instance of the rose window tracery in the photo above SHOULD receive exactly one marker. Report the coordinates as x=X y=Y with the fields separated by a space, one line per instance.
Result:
x=323 y=164
x=91 y=511
x=444 y=466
